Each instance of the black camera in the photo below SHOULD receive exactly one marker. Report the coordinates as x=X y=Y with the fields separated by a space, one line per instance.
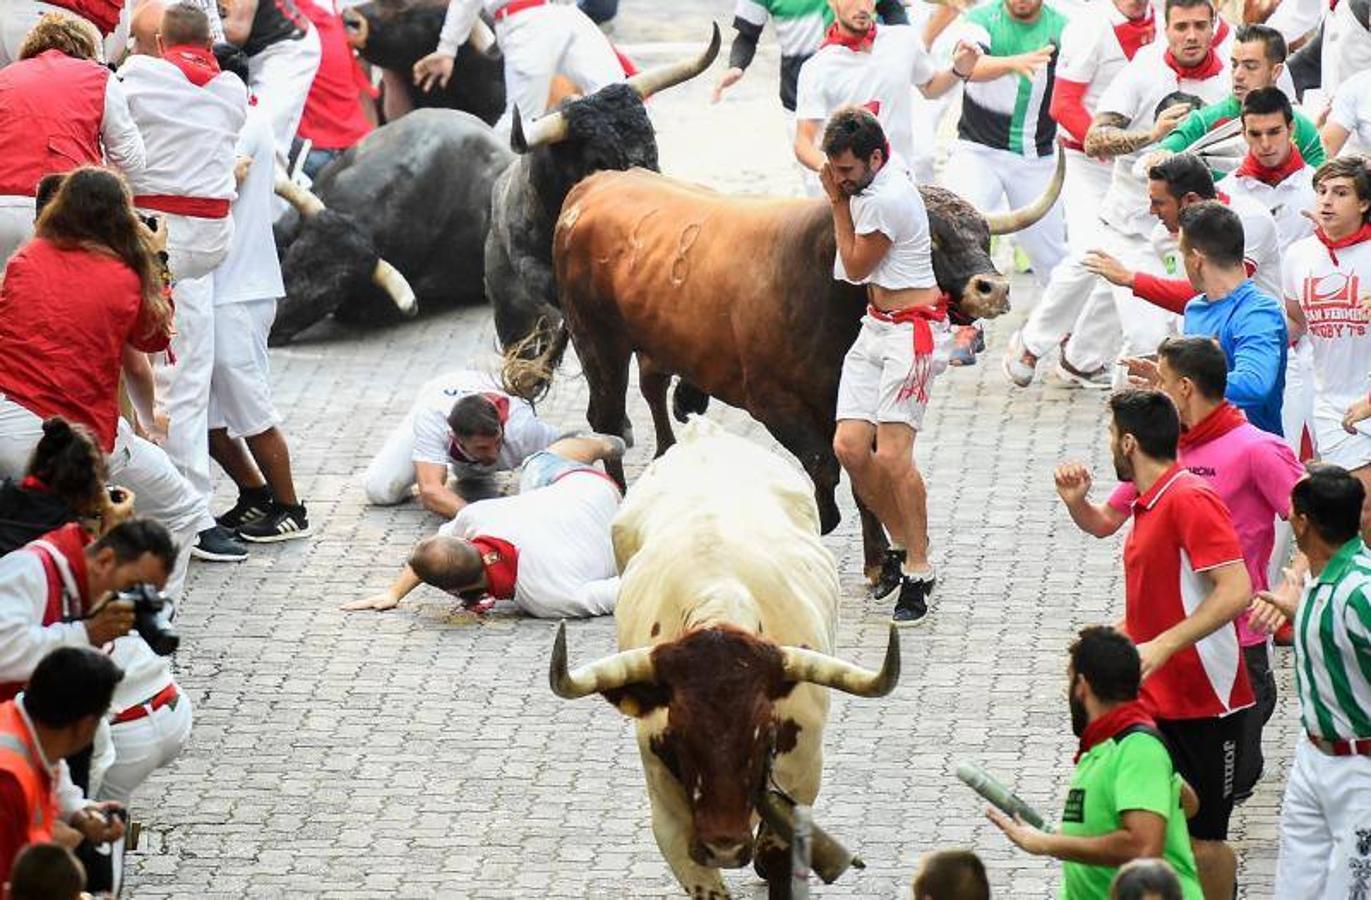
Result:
x=152 y=614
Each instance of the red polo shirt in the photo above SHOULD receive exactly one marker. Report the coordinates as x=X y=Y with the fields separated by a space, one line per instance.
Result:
x=1180 y=529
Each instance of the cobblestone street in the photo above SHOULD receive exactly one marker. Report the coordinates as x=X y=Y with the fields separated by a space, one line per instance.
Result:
x=419 y=753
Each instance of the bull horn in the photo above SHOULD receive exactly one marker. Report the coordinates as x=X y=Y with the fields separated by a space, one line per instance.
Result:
x=384 y=276
x=607 y=674
x=1024 y=216
x=548 y=129
x=481 y=38
x=662 y=77
x=821 y=669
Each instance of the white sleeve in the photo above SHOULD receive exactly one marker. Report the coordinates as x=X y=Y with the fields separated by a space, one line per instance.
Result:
x=457 y=24
x=809 y=94
x=431 y=436
x=1079 y=57
x=598 y=598
x=525 y=433
x=1261 y=246
x=751 y=11
x=890 y=213
x=123 y=142
x=1290 y=267
x=1121 y=96
x=1295 y=18
x=1346 y=109
x=70 y=798
x=921 y=68
x=23 y=598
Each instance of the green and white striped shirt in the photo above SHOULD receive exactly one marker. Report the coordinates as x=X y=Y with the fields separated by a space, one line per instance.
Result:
x=1333 y=647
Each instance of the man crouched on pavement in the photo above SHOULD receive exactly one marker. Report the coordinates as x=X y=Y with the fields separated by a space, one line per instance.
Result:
x=547 y=548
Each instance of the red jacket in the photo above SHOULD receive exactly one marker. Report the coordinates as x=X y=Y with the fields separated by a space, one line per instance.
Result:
x=333 y=117
x=51 y=109
x=65 y=316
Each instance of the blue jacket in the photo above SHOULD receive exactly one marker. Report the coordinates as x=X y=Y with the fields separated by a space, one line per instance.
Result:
x=1250 y=326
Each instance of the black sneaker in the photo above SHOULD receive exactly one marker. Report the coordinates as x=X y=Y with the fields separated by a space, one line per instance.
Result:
x=282 y=523
x=912 y=606
x=888 y=582
x=218 y=544
x=253 y=504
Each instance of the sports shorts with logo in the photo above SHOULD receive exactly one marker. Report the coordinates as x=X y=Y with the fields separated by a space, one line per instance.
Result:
x=883 y=381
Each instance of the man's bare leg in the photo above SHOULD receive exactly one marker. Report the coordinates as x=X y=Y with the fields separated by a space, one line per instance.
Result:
x=895 y=459
x=233 y=457
x=852 y=444
x=272 y=456
x=1217 y=867
x=588 y=448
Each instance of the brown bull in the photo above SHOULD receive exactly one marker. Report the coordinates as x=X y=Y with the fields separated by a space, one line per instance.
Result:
x=736 y=295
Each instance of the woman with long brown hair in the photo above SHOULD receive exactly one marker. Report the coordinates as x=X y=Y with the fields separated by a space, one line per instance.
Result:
x=90 y=284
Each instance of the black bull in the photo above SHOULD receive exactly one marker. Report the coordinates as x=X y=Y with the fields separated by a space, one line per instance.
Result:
x=735 y=295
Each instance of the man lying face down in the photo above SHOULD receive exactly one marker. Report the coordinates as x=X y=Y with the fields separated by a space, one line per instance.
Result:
x=546 y=548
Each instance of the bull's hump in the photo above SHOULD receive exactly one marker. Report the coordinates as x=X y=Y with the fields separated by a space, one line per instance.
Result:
x=642 y=185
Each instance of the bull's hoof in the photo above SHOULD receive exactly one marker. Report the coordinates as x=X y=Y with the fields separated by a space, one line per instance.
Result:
x=829 y=517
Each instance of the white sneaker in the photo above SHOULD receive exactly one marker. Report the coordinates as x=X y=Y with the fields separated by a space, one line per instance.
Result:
x=1099 y=380
x=1018 y=364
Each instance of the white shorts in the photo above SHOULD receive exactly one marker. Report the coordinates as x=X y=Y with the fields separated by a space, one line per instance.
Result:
x=1336 y=446
x=240 y=388
x=877 y=383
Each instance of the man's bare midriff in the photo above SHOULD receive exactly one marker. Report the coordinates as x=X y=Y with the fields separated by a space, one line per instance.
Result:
x=890 y=300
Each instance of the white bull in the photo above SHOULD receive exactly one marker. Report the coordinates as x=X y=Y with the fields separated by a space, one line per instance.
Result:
x=726 y=620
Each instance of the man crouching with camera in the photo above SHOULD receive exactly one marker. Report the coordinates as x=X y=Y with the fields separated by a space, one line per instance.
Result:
x=67 y=589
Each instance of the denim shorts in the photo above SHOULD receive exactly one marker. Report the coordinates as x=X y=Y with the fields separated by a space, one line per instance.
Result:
x=545 y=467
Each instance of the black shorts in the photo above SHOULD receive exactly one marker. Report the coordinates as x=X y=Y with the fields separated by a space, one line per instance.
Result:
x=1206 y=753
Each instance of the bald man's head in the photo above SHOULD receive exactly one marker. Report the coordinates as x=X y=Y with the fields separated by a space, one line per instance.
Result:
x=145 y=25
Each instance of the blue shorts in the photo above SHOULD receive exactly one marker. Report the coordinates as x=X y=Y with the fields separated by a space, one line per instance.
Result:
x=545 y=467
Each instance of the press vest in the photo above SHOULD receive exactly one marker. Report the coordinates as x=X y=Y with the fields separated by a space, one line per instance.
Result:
x=20 y=757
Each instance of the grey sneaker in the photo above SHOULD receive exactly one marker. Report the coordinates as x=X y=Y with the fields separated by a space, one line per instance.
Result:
x=218 y=544
x=1018 y=364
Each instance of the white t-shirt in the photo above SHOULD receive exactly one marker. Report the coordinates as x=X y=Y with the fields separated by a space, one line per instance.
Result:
x=892 y=205
x=525 y=434
x=1352 y=110
x=566 y=557
x=1261 y=246
x=1090 y=52
x=1134 y=94
x=1285 y=201
x=251 y=271
x=836 y=77
x=1339 y=329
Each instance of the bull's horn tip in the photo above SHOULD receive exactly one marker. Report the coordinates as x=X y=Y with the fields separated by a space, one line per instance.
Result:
x=858 y=863
x=517 y=141
x=557 y=665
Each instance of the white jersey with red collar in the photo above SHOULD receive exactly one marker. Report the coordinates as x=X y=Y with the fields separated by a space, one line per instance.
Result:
x=1286 y=200
x=1134 y=94
x=1092 y=53
x=879 y=79
x=524 y=433
x=189 y=132
x=1331 y=286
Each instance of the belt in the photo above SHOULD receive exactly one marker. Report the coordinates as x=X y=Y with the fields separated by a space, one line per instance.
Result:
x=167 y=696
x=1354 y=747
x=517 y=6
x=196 y=207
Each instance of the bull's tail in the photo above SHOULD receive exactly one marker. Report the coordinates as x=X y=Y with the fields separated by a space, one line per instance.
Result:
x=530 y=362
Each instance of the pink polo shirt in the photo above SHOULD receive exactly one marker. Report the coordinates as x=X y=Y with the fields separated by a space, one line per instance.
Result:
x=1253 y=472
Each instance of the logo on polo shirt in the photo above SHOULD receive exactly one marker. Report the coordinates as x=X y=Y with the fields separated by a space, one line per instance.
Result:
x=1074 y=811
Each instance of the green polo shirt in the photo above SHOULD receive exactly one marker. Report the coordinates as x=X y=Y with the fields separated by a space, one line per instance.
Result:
x=1113 y=777
x=1202 y=121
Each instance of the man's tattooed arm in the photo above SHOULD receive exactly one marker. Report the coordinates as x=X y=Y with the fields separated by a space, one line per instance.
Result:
x=1107 y=138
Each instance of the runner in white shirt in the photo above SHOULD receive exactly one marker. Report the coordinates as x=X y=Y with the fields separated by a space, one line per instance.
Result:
x=538 y=39
x=244 y=435
x=859 y=64
x=498 y=433
x=283 y=56
x=548 y=548
x=1126 y=122
x=1325 y=281
x=883 y=241
x=190 y=114
x=1349 y=117
x=1098 y=42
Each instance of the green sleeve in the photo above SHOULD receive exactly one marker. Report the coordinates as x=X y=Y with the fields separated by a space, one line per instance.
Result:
x=1142 y=776
x=1192 y=128
x=1307 y=139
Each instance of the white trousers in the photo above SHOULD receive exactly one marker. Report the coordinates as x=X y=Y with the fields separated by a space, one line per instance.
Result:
x=546 y=41
x=1076 y=301
x=143 y=746
x=16 y=224
x=1325 y=834
x=1143 y=324
x=986 y=176
x=17 y=18
x=160 y=491
x=1297 y=405
x=390 y=474
x=280 y=77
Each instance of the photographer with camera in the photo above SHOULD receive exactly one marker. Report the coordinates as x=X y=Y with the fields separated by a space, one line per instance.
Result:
x=56 y=717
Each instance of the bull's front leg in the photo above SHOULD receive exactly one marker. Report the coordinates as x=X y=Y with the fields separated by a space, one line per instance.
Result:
x=671 y=824
x=653 y=384
x=874 y=540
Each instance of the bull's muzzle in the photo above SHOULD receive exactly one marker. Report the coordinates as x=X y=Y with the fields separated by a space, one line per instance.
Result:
x=985 y=296
x=722 y=854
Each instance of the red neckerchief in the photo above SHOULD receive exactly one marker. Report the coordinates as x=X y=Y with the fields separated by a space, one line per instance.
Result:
x=1205 y=68
x=859 y=44
x=71 y=541
x=1361 y=234
x=33 y=483
x=1121 y=717
x=196 y=63
x=1271 y=175
x=1134 y=34
x=1222 y=420
x=500 y=559
x=501 y=404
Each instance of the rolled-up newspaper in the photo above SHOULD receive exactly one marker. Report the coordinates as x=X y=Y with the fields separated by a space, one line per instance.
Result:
x=999 y=796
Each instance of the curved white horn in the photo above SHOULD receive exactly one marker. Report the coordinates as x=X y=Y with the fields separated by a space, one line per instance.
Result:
x=1024 y=216
x=301 y=198
x=820 y=668
x=619 y=670
x=548 y=129
x=481 y=38
x=662 y=77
